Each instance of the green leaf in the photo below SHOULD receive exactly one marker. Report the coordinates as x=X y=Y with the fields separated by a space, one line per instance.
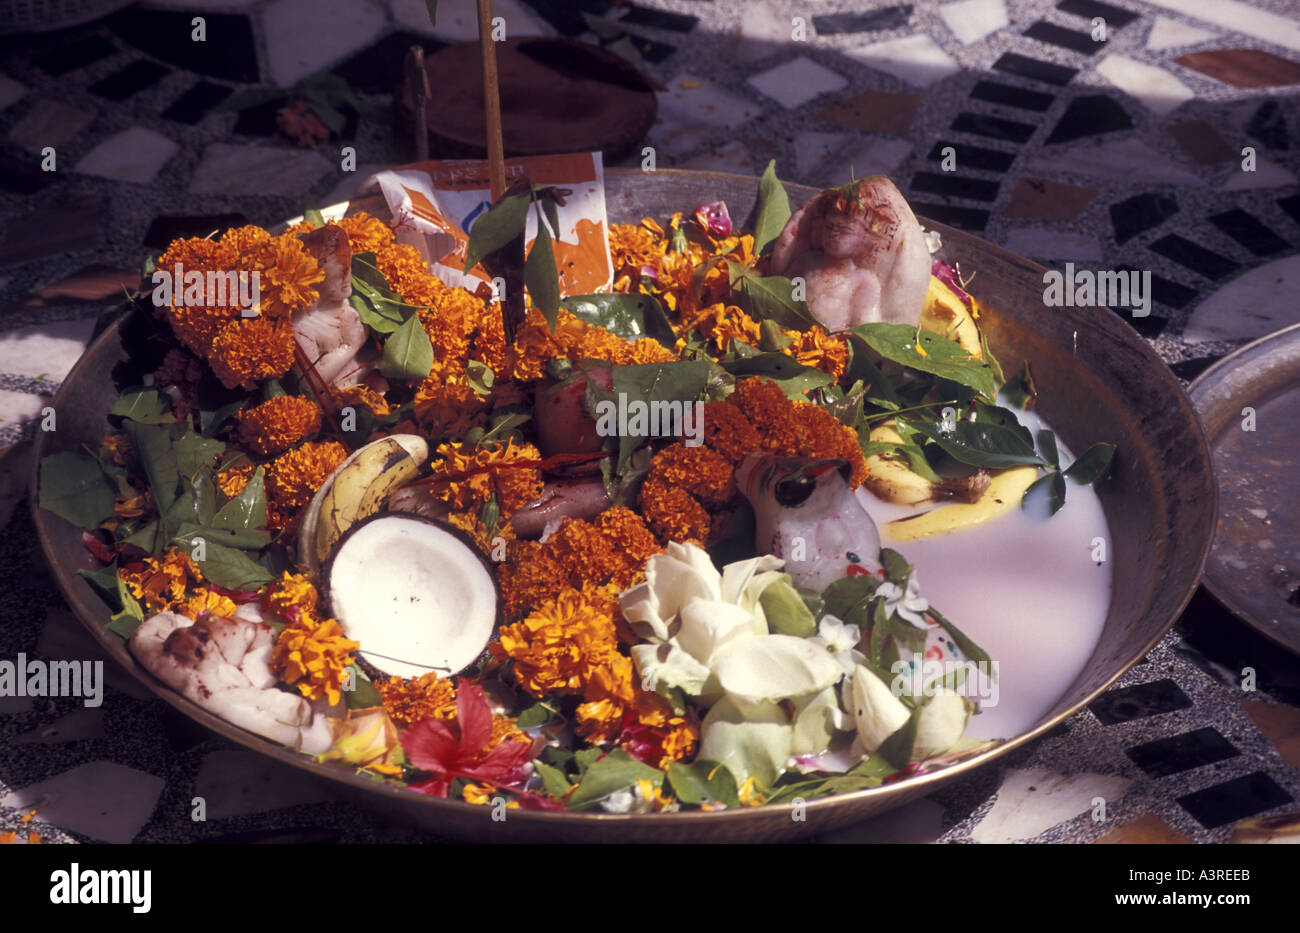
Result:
x=1004 y=418
x=248 y=509
x=786 y=611
x=408 y=354
x=943 y=357
x=364 y=694
x=147 y=406
x=312 y=213
x=1019 y=389
x=879 y=391
x=497 y=227
x=963 y=641
x=793 y=377
x=1047 y=447
x=211 y=421
x=432 y=6
x=381 y=316
x=849 y=600
x=194 y=452
x=897 y=749
x=490 y=514
x=1046 y=491
x=615 y=772
x=227 y=566
x=626 y=316
x=982 y=445
x=683 y=381
x=1092 y=464
x=896 y=566
x=107 y=585
x=537 y=715
x=771 y=211
x=243 y=539
x=153 y=451
x=74 y=487
x=553 y=780
x=703 y=782
x=770 y=298
x=541 y=278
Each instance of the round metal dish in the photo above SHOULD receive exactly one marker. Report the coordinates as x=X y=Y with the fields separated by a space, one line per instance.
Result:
x=1096 y=380
x=1249 y=403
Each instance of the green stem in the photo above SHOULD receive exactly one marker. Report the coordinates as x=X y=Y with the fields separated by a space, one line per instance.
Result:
x=890 y=414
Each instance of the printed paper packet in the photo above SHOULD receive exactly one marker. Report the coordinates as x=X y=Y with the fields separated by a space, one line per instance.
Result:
x=434 y=205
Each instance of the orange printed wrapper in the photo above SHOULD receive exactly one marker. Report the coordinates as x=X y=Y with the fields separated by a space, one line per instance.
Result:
x=434 y=205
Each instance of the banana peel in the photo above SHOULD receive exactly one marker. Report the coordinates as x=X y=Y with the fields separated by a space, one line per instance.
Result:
x=357 y=489
x=946 y=315
x=1002 y=495
x=891 y=480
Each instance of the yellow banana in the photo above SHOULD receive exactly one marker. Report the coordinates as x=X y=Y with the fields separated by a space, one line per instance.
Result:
x=945 y=315
x=1002 y=495
x=356 y=490
x=891 y=480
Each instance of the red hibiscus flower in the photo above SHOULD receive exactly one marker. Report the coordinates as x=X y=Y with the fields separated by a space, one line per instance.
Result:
x=431 y=746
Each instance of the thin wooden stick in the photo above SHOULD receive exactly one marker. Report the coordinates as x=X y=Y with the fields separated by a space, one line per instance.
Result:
x=491 y=101
x=418 y=79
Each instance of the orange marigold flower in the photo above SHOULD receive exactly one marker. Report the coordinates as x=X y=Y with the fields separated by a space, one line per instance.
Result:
x=722 y=323
x=673 y=513
x=366 y=234
x=610 y=694
x=671 y=737
x=469 y=522
x=797 y=429
x=278 y=424
x=292 y=595
x=293 y=478
x=607 y=553
x=288 y=273
x=232 y=480
x=448 y=410
x=704 y=473
x=814 y=347
x=242 y=351
x=252 y=350
x=531 y=576
x=161 y=583
x=205 y=600
x=364 y=396
x=565 y=644
x=635 y=544
x=729 y=432
x=632 y=246
x=312 y=656
x=407 y=274
x=417 y=699
x=466 y=477
x=646 y=350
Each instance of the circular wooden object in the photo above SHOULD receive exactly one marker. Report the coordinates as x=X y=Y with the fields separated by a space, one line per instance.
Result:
x=557 y=95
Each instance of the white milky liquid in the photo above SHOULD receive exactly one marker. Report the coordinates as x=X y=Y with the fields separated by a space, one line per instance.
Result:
x=1024 y=588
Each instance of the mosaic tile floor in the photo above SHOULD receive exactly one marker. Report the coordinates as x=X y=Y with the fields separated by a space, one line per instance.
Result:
x=1122 y=153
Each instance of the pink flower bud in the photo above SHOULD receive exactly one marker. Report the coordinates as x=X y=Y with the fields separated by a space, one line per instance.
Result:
x=714 y=218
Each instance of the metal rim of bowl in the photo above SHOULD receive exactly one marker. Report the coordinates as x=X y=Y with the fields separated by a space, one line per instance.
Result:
x=753 y=822
x=1199 y=391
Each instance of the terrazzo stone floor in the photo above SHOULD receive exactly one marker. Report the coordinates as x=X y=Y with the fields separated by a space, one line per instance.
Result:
x=1170 y=146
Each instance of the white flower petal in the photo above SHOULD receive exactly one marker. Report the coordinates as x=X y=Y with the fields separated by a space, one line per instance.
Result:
x=774 y=667
x=877 y=712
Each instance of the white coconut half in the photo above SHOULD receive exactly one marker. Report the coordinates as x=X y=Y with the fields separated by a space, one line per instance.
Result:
x=416 y=594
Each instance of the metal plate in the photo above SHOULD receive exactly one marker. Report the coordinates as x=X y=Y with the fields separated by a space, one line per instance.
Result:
x=1097 y=380
x=1249 y=403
